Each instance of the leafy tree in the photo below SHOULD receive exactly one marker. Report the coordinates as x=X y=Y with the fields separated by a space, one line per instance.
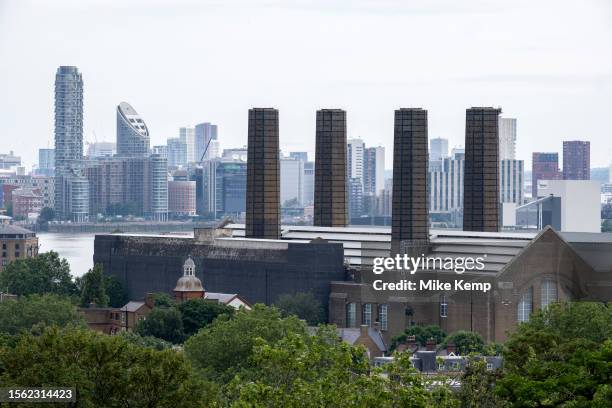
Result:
x=421 y=334
x=107 y=371
x=123 y=209
x=301 y=370
x=163 y=300
x=145 y=341
x=46 y=214
x=36 y=311
x=560 y=357
x=223 y=348
x=198 y=313
x=44 y=273
x=163 y=323
x=116 y=294
x=477 y=386
x=303 y=305
x=493 y=349
x=92 y=288
x=466 y=342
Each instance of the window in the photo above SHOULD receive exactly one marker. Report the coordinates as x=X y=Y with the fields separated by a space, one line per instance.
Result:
x=443 y=306
x=351 y=314
x=525 y=305
x=383 y=316
x=367 y=314
x=489 y=366
x=16 y=246
x=548 y=292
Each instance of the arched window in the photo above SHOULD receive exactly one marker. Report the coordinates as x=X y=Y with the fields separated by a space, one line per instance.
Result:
x=443 y=306
x=524 y=305
x=548 y=292
x=351 y=314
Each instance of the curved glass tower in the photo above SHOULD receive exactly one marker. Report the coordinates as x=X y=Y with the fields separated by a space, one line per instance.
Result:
x=132 y=132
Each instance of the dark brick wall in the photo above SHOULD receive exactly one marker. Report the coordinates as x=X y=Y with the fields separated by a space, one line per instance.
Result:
x=260 y=275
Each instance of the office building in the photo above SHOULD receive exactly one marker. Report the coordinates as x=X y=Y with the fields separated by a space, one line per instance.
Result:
x=309 y=184
x=438 y=151
x=263 y=175
x=187 y=136
x=221 y=188
x=302 y=156
x=291 y=180
x=579 y=207
x=576 y=160
x=132 y=133
x=356 y=149
x=16 y=243
x=410 y=223
x=512 y=175
x=161 y=151
x=237 y=153
x=356 y=198
x=206 y=142
x=99 y=150
x=177 y=153
x=446 y=186
x=481 y=181
x=373 y=170
x=458 y=153
x=46 y=162
x=507 y=138
x=71 y=193
x=8 y=161
x=182 y=198
x=545 y=166
x=331 y=193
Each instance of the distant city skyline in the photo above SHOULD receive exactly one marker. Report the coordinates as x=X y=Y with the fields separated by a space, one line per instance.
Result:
x=555 y=82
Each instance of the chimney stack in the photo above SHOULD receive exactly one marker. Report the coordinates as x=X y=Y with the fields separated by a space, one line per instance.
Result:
x=431 y=344
x=410 y=222
x=331 y=194
x=481 y=178
x=263 y=175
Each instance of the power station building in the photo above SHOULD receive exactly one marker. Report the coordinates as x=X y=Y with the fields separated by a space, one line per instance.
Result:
x=495 y=279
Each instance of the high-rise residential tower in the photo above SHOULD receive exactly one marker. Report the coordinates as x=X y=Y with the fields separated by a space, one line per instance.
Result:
x=71 y=197
x=410 y=223
x=330 y=172
x=187 y=136
x=263 y=175
x=356 y=149
x=507 y=138
x=206 y=142
x=373 y=170
x=481 y=183
x=132 y=133
x=544 y=166
x=576 y=160
x=46 y=162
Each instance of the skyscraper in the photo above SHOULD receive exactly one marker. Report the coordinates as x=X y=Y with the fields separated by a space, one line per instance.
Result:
x=71 y=201
x=373 y=170
x=410 y=223
x=263 y=175
x=187 y=136
x=291 y=180
x=481 y=182
x=576 y=160
x=544 y=166
x=511 y=181
x=330 y=170
x=132 y=133
x=507 y=139
x=356 y=149
x=206 y=140
x=176 y=152
x=46 y=162
x=438 y=151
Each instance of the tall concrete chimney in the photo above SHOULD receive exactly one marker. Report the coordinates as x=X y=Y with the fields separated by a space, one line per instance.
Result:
x=410 y=223
x=481 y=179
x=330 y=193
x=263 y=175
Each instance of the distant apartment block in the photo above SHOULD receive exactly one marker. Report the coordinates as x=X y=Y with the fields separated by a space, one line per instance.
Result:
x=507 y=138
x=133 y=138
x=46 y=162
x=512 y=175
x=176 y=152
x=576 y=160
x=206 y=142
x=544 y=166
x=373 y=170
x=182 y=198
x=187 y=136
x=99 y=150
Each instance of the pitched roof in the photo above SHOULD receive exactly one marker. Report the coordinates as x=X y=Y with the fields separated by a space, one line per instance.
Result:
x=132 y=306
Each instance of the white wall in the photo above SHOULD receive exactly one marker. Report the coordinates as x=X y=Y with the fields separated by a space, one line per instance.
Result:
x=580 y=203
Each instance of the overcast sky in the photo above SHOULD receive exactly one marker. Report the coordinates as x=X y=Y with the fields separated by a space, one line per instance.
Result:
x=546 y=62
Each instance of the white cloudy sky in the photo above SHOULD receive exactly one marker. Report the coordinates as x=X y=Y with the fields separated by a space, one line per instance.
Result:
x=181 y=62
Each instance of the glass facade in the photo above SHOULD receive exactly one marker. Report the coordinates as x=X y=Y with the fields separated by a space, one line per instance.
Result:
x=132 y=133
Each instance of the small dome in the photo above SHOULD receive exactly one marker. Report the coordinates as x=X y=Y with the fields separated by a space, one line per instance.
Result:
x=189 y=284
x=189 y=263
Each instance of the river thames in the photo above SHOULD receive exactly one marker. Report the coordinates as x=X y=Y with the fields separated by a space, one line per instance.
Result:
x=78 y=249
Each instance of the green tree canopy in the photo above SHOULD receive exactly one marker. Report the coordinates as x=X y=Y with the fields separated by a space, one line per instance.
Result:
x=117 y=297
x=320 y=370
x=198 y=313
x=303 y=305
x=163 y=300
x=36 y=311
x=93 y=288
x=42 y=274
x=46 y=214
x=465 y=342
x=107 y=371
x=421 y=334
x=561 y=357
x=145 y=341
x=223 y=348
x=163 y=323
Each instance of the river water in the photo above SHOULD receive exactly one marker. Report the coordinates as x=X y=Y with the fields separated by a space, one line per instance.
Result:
x=77 y=248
